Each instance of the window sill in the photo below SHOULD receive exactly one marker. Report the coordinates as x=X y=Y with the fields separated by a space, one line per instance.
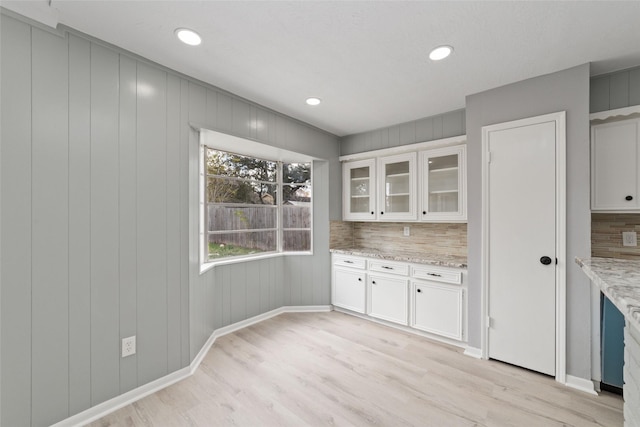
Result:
x=235 y=260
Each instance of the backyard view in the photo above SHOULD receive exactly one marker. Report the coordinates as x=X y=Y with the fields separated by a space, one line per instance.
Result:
x=249 y=211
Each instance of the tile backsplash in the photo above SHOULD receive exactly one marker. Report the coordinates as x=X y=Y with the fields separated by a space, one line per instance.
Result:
x=606 y=235
x=432 y=238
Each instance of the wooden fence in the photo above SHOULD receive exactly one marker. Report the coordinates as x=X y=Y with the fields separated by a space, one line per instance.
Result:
x=223 y=218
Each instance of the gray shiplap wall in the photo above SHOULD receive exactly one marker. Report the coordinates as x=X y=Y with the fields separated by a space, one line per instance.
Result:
x=615 y=90
x=95 y=191
x=441 y=126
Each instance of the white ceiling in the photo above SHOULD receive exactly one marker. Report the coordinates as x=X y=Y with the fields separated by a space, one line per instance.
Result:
x=367 y=60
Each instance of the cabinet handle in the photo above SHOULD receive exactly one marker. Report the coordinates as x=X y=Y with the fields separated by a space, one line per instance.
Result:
x=387 y=268
x=628 y=198
x=418 y=290
x=381 y=213
x=348 y=262
x=424 y=212
x=434 y=274
x=372 y=212
x=373 y=281
x=359 y=279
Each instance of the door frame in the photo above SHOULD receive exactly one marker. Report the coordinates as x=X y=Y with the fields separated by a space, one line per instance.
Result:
x=561 y=235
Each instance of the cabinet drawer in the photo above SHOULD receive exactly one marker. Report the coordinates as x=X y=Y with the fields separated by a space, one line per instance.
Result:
x=436 y=274
x=346 y=261
x=389 y=267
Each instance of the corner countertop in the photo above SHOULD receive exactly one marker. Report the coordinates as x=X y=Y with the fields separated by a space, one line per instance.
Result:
x=619 y=280
x=452 y=261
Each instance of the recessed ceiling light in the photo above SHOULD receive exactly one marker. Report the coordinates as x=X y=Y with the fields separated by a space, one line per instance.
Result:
x=440 y=52
x=314 y=101
x=189 y=37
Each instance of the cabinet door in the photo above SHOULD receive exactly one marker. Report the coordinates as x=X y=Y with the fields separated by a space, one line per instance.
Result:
x=349 y=289
x=388 y=299
x=397 y=187
x=442 y=180
x=359 y=190
x=614 y=165
x=437 y=309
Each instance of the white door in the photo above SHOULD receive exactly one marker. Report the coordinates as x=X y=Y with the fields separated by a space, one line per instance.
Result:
x=522 y=245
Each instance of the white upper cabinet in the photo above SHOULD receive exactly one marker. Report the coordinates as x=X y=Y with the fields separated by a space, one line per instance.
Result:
x=442 y=181
x=615 y=161
x=419 y=182
x=359 y=190
x=397 y=187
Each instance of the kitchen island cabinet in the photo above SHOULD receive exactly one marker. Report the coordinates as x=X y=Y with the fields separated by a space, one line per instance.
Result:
x=619 y=280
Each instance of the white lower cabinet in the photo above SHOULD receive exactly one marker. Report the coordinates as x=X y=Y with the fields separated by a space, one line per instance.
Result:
x=437 y=308
x=349 y=284
x=388 y=298
x=421 y=296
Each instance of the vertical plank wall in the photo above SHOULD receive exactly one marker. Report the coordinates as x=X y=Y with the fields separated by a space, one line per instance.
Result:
x=441 y=126
x=615 y=90
x=95 y=190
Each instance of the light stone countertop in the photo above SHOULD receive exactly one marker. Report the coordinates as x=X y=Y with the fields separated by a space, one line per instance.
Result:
x=452 y=261
x=619 y=280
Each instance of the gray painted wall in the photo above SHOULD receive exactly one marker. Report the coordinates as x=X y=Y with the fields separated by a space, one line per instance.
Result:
x=562 y=91
x=427 y=129
x=95 y=191
x=615 y=90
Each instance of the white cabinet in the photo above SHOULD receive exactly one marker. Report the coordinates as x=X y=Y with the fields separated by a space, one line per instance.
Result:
x=388 y=290
x=397 y=187
x=359 y=190
x=443 y=184
x=429 y=185
x=615 y=161
x=348 y=284
x=437 y=308
x=424 y=297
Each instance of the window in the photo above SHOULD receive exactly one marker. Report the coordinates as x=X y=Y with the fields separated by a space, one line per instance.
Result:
x=253 y=206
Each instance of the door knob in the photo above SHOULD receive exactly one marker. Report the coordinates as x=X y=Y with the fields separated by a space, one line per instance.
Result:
x=545 y=260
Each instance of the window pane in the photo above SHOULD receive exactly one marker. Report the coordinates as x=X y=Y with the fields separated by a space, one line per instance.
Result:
x=296 y=173
x=223 y=218
x=296 y=240
x=294 y=216
x=296 y=193
x=238 y=166
x=238 y=244
x=223 y=190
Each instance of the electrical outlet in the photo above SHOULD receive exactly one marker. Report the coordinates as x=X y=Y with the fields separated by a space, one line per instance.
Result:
x=128 y=346
x=406 y=231
x=629 y=238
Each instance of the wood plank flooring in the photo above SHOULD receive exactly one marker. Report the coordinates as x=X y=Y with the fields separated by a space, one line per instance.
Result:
x=332 y=369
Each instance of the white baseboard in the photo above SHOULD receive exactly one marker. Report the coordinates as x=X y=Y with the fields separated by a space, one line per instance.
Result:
x=105 y=408
x=581 y=384
x=474 y=352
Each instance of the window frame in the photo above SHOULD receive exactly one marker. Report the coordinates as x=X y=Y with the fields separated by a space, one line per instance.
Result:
x=203 y=232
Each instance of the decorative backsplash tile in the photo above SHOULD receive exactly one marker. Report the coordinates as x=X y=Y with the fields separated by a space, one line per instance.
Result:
x=340 y=234
x=606 y=235
x=432 y=238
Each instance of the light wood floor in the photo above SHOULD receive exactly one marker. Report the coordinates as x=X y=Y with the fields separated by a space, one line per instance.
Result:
x=320 y=369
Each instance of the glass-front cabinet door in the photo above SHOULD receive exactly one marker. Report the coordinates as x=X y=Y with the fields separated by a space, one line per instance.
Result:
x=359 y=190
x=397 y=187
x=443 y=184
